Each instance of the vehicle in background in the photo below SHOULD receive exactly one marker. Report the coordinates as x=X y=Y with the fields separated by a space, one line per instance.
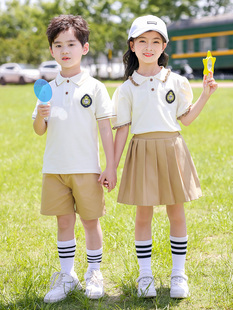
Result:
x=49 y=70
x=191 y=39
x=112 y=71
x=18 y=73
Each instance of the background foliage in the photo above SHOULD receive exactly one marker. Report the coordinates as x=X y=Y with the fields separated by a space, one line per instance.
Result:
x=23 y=23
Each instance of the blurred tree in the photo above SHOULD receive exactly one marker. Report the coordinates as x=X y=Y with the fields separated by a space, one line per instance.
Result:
x=23 y=25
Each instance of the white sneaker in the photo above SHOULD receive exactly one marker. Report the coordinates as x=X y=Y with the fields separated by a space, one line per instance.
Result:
x=61 y=285
x=94 y=284
x=179 y=286
x=146 y=287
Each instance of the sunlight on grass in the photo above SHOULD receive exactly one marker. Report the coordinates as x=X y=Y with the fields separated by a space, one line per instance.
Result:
x=28 y=255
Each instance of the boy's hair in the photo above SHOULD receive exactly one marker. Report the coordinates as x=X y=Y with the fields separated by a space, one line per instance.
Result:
x=131 y=63
x=63 y=23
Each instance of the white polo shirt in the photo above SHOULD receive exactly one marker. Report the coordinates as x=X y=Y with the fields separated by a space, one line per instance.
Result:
x=154 y=104
x=72 y=136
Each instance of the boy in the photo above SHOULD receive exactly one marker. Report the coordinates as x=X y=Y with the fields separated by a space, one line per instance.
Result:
x=71 y=171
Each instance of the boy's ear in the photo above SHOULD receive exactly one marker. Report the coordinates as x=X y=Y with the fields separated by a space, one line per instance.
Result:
x=86 y=48
x=51 y=51
x=131 y=44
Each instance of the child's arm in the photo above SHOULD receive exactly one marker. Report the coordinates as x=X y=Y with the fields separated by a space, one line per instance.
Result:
x=109 y=174
x=39 y=124
x=209 y=87
x=120 y=140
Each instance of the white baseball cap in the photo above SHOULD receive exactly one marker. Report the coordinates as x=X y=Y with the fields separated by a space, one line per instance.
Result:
x=147 y=23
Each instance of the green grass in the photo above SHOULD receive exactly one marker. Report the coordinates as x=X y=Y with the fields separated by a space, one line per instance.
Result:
x=28 y=254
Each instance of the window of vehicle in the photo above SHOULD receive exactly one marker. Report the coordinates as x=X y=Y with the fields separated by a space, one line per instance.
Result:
x=51 y=66
x=190 y=46
x=179 y=47
x=205 y=44
x=222 y=43
x=10 y=67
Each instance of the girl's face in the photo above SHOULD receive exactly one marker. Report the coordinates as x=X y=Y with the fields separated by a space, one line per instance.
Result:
x=148 y=47
x=67 y=51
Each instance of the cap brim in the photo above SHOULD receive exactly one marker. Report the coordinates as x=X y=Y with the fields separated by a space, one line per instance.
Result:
x=142 y=30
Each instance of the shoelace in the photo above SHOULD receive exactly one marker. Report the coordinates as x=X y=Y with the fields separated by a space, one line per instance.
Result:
x=177 y=280
x=55 y=283
x=92 y=278
x=145 y=281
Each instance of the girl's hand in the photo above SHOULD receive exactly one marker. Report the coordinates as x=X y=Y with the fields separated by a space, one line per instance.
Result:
x=108 y=179
x=209 y=84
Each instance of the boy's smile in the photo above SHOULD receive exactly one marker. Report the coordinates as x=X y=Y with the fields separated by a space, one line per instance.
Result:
x=67 y=51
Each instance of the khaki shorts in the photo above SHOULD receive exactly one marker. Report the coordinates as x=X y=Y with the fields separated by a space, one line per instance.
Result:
x=67 y=193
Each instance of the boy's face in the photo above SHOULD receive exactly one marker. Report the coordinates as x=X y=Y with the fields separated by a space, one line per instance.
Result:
x=67 y=51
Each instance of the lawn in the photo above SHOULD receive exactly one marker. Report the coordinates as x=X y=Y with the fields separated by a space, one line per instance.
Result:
x=28 y=255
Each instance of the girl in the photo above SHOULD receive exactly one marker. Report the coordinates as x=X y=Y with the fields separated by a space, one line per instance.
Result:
x=158 y=168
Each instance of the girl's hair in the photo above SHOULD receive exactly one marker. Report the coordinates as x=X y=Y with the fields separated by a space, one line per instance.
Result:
x=63 y=23
x=131 y=63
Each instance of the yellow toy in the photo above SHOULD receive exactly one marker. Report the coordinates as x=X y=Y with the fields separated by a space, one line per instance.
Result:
x=208 y=63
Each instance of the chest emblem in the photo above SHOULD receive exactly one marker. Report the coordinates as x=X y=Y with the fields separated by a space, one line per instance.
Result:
x=170 y=96
x=86 y=101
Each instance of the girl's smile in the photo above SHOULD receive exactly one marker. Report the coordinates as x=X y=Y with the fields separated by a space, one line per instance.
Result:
x=148 y=47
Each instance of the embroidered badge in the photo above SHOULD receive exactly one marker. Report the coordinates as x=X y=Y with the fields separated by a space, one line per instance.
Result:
x=86 y=101
x=170 y=96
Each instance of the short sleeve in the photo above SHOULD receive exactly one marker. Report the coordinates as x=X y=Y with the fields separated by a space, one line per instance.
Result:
x=104 y=105
x=185 y=97
x=35 y=110
x=123 y=107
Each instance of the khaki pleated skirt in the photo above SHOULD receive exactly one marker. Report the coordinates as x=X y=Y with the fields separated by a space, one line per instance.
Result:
x=158 y=170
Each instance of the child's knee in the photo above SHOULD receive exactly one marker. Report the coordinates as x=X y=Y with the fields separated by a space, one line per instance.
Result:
x=66 y=221
x=90 y=224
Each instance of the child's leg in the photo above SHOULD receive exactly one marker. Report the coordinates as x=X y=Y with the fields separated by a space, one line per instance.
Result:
x=143 y=244
x=66 y=242
x=66 y=280
x=178 y=239
x=178 y=235
x=93 y=276
x=143 y=241
x=93 y=234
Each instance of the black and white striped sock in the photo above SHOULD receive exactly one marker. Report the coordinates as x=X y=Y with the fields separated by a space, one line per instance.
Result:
x=94 y=258
x=66 y=251
x=143 y=250
x=179 y=249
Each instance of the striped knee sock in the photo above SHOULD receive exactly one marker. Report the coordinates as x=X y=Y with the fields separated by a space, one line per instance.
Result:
x=179 y=249
x=94 y=258
x=143 y=250
x=66 y=251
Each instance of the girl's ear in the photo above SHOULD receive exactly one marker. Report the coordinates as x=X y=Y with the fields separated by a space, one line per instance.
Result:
x=131 y=44
x=164 y=46
x=86 y=48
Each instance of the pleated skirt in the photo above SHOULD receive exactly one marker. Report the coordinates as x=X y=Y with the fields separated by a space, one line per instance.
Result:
x=158 y=170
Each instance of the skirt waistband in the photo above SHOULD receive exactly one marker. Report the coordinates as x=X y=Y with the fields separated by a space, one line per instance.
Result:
x=157 y=135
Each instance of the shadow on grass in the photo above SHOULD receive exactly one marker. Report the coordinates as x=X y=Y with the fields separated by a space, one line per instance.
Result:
x=78 y=301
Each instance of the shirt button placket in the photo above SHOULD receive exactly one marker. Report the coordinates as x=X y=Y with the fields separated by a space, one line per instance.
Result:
x=151 y=80
x=67 y=92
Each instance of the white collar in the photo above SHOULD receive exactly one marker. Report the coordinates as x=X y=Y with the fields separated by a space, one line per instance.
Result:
x=139 y=79
x=76 y=79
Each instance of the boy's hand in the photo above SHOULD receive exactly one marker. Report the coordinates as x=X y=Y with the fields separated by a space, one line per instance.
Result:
x=43 y=110
x=209 y=84
x=108 y=179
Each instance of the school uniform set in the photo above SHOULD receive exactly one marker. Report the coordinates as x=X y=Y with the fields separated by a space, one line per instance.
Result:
x=72 y=147
x=71 y=169
x=159 y=169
